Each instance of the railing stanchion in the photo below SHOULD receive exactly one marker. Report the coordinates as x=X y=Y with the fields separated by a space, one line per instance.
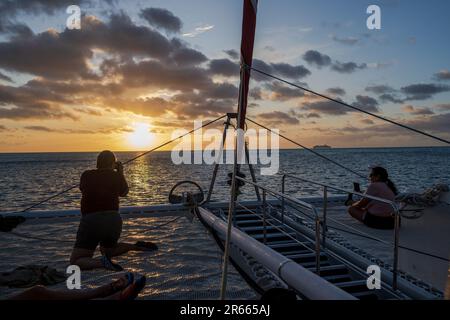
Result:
x=283 y=181
x=324 y=222
x=317 y=243
x=396 y=244
x=264 y=217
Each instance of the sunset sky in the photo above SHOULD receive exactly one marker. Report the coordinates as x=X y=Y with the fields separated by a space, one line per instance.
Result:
x=138 y=70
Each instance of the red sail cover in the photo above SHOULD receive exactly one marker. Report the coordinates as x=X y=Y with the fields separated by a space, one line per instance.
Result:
x=247 y=42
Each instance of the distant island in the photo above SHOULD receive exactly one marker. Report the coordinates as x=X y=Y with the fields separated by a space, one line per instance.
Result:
x=322 y=146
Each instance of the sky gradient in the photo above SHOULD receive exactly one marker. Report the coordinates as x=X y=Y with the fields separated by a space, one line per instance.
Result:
x=138 y=70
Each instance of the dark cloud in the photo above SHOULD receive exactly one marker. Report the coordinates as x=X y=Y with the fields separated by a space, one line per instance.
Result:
x=27 y=102
x=417 y=111
x=39 y=128
x=65 y=55
x=233 y=54
x=222 y=91
x=255 y=93
x=278 y=118
x=347 y=40
x=367 y=121
x=224 y=67
x=77 y=131
x=320 y=60
x=279 y=69
x=326 y=107
x=347 y=67
x=336 y=91
x=162 y=18
x=380 y=89
x=423 y=91
x=312 y=115
x=316 y=58
x=387 y=97
x=290 y=71
x=186 y=56
x=280 y=92
x=130 y=61
x=442 y=75
x=366 y=103
x=11 y=8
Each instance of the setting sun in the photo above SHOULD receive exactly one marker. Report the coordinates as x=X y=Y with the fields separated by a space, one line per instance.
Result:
x=141 y=136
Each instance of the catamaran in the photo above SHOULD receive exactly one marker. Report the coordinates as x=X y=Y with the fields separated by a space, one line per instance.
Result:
x=277 y=240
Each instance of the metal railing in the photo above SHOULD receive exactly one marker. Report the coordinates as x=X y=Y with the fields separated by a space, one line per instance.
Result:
x=324 y=224
x=300 y=203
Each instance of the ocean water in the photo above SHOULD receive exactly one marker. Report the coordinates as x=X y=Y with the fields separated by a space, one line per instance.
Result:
x=188 y=264
x=28 y=178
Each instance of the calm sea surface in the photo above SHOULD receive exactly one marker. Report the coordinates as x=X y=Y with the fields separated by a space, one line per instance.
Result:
x=28 y=178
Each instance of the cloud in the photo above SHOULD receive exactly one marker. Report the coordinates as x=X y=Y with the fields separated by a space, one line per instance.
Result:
x=255 y=93
x=367 y=121
x=347 y=67
x=347 y=40
x=280 y=92
x=380 y=89
x=278 y=69
x=335 y=109
x=278 y=118
x=423 y=91
x=442 y=75
x=326 y=107
x=224 y=67
x=162 y=19
x=417 y=111
x=336 y=91
x=198 y=30
x=77 y=131
x=366 y=103
x=115 y=64
x=387 y=97
x=316 y=58
x=233 y=54
x=443 y=106
x=313 y=57
x=12 y=7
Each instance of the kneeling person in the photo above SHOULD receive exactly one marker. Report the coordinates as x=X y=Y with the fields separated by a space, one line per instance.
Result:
x=100 y=221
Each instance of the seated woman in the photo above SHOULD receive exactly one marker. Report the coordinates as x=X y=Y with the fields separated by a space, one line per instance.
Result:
x=376 y=214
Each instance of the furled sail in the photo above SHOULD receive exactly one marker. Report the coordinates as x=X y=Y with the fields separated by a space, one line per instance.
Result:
x=247 y=42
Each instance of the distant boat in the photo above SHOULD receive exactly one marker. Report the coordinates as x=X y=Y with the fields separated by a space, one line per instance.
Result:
x=322 y=146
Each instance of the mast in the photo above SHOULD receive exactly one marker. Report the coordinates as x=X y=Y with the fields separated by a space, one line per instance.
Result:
x=247 y=42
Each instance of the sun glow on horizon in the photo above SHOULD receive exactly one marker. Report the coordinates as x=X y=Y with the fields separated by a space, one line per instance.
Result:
x=141 y=136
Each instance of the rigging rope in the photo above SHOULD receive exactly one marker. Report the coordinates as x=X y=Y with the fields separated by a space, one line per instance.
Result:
x=126 y=162
x=309 y=149
x=349 y=106
x=25 y=236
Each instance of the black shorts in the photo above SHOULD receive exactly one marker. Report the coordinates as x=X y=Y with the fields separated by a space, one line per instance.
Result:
x=102 y=228
x=377 y=222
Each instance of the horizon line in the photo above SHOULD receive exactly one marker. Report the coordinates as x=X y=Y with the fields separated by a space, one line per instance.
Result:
x=122 y=151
